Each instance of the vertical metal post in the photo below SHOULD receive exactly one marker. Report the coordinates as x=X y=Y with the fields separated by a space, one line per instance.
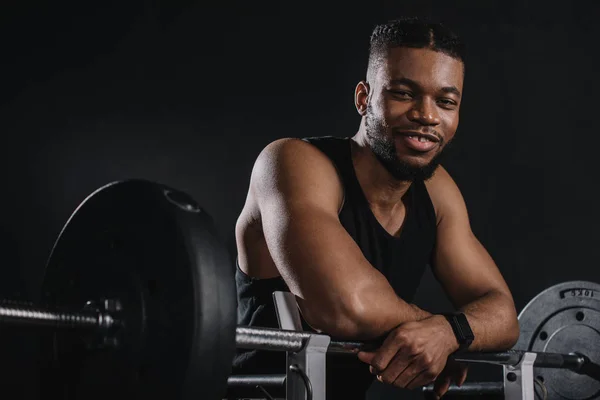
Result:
x=518 y=379
x=287 y=312
x=306 y=374
x=306 y=370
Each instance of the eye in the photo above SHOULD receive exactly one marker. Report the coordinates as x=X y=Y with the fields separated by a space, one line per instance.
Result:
x=402 y=94
x=447 y=103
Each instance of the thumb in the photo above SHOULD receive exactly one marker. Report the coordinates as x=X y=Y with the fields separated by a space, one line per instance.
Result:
x=462 y=375
x=365 y=356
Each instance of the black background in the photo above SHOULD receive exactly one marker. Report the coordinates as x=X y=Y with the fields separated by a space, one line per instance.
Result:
x=188 y=93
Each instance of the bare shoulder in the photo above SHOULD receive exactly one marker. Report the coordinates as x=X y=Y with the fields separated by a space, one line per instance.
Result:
x=295 y=169
x=445 y=194
x=292 y=156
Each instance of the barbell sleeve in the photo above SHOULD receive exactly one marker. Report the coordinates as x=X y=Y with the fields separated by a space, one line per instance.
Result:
x=26 y=314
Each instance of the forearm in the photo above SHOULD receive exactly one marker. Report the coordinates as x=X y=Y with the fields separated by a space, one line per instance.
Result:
x=493 y=319
x=380 y=311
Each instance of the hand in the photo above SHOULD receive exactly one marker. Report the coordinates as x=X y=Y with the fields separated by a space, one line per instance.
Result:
x=414 y=353
x=454 y=371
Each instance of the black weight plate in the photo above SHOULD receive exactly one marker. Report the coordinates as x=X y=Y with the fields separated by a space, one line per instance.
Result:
x=157 y=252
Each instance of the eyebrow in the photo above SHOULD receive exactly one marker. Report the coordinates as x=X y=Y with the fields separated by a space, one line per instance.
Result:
x=410 y=82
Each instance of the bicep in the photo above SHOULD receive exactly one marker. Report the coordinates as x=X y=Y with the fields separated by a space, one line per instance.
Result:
x=298 y=195
x=462 y=265
x=313 y=256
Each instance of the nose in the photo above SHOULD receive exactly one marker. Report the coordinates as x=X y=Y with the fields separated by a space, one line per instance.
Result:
x=424 y=112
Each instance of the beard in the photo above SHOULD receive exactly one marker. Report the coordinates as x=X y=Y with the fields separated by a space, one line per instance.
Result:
x=384 y=148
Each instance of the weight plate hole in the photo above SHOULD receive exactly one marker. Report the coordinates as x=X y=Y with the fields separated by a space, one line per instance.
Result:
x=540 y=378
x=543 y=335
x=182 y=200
x=580 y=316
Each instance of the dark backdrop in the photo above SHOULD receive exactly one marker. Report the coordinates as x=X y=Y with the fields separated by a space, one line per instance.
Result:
x=188 y=93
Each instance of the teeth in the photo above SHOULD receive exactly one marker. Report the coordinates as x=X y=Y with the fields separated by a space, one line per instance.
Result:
x=421 y=139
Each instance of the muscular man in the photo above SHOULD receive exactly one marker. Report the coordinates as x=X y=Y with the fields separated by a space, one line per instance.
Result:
x=348 y=225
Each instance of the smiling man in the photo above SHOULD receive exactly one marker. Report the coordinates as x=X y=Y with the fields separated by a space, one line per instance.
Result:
x=349 y=224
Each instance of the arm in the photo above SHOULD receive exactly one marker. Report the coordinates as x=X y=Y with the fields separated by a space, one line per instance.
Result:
x=416 y=353
x=467 y=272
x=298 y=194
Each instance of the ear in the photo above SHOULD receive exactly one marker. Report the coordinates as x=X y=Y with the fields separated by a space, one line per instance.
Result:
x=361 y=97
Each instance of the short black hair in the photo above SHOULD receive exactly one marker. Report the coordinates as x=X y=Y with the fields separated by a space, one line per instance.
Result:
x=414 y=32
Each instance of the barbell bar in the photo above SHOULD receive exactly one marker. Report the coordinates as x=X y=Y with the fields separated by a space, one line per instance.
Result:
x=100 y=321
x=271 y=339
x=139 y=295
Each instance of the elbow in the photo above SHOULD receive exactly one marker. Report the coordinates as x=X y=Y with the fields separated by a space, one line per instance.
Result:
x=511 y=329
x=512 y=334
x=339 y=320
x=335 y=325
x=499 y=324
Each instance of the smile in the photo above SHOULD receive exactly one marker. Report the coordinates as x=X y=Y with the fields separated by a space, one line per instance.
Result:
x=419 y=142
x=422 y=139
x=421 y=136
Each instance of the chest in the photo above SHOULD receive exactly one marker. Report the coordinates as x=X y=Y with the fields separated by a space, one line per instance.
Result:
x=391 y=221
x=398 y=245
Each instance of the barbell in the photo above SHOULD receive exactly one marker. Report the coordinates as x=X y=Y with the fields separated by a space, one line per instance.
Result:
x=138 y=297
x=563 y=319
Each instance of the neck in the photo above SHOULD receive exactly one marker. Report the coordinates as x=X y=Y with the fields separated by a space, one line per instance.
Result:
x=381 y=189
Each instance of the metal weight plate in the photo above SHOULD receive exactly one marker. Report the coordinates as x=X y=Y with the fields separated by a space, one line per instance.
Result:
x=564 y=318
x=155 y=254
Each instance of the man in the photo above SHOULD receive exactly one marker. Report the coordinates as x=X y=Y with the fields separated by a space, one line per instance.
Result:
x=348 y=225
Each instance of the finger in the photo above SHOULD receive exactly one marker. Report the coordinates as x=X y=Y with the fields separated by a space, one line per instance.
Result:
x=366 y=356
x=423 y=370
x=422 y=378
x=413 y=370
x=392 y=345
x=461 y=375
x=398 y=364
x=441 y=385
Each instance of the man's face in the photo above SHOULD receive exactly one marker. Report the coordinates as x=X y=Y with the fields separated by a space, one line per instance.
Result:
x=412 y=111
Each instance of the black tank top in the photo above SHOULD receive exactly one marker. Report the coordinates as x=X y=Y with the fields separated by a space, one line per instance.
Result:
x=402 y=260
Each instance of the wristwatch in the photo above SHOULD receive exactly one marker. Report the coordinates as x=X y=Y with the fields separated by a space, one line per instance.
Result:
x=461 y=328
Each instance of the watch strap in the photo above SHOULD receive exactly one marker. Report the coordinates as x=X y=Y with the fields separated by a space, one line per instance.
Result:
x=461 y=328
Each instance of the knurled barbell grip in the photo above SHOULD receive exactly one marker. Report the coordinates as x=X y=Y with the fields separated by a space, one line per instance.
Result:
x=25 y=314
x=282 y=340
